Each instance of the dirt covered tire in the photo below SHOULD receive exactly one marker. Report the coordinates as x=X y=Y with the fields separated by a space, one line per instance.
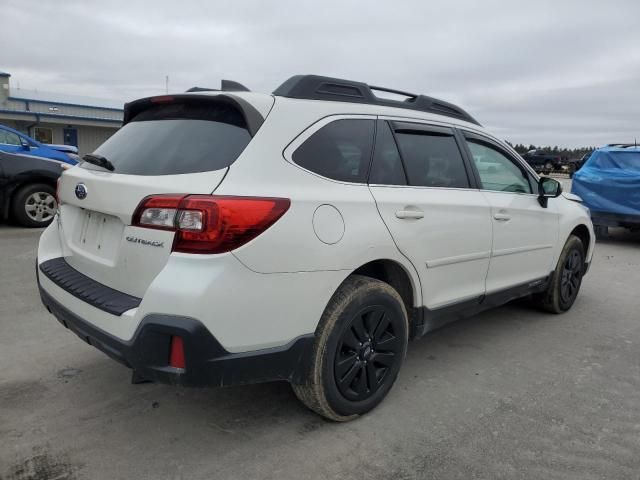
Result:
x=567 y=278
x=361 y=342
x=34 y=205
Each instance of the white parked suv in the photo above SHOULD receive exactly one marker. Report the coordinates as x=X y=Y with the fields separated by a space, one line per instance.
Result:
x=229 y=237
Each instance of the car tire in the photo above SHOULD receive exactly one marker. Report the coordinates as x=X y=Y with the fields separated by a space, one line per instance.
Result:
x=548 y=167
x=34 y=205
x=361 y=343
x=565 y=283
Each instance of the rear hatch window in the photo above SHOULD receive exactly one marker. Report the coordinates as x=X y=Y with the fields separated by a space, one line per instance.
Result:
x=184 y=136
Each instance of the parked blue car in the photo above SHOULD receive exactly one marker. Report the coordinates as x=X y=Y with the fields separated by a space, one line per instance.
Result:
x=609 y=184
x=13 y=141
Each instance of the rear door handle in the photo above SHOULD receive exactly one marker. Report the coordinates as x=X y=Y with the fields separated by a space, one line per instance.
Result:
x=403 y=214
x=502 y=217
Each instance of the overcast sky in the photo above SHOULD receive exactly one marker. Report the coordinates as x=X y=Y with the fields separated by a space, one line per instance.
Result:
x=557 y=72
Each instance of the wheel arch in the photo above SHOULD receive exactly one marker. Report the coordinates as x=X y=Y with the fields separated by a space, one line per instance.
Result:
x=396 y=274
x=582 y=232
x=30 y=181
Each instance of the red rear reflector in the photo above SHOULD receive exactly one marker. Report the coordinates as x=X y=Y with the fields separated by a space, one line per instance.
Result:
x=210 y=223
x=176 y=355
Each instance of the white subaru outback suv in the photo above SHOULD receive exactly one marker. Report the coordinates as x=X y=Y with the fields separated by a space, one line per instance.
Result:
x=229 y=237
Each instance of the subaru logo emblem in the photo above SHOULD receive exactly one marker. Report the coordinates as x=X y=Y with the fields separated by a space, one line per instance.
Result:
x=81 y=191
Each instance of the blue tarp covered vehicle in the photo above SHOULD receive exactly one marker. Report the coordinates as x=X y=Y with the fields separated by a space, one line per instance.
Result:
x=609 y=184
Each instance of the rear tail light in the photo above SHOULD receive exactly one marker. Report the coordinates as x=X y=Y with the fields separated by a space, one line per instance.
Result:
x=158 y=211
x=209 y=223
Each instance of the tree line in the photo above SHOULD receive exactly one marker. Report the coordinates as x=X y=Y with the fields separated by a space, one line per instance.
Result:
x=555 y=150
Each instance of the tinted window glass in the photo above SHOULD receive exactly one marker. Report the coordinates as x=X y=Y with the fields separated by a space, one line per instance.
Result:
x=9 y=138
x=497 y=171
x=340 y=150
x=432 y=160
x=387 y=166
x=178 y=138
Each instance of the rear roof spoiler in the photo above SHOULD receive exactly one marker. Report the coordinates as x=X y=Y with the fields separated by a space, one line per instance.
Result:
x=225 y=86
x=252 y=117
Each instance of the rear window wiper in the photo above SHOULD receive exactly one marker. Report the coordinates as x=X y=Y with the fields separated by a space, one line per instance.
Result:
x=99 y=160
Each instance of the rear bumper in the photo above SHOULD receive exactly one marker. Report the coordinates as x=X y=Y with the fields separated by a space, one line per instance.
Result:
x=614 y=219
x=207 y=363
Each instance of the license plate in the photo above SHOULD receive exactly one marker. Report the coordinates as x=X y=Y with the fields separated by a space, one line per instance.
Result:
x=99 y=234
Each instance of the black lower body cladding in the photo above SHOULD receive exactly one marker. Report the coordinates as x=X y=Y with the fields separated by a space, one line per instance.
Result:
x=207 y=363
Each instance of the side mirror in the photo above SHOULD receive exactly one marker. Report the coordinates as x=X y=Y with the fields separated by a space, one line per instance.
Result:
x=548 y=188
x=25 y=145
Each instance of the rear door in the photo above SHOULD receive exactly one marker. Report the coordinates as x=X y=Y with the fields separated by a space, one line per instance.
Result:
x=423 y=190
x=176 y=145
x=524 y=233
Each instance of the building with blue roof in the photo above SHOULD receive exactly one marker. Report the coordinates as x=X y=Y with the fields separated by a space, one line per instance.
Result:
x=56 y=118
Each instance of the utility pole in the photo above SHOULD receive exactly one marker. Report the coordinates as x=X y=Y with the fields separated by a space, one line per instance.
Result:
x=166 y=84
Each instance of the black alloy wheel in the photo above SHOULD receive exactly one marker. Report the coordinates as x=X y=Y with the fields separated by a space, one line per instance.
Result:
x=571 y=276
x=368 y=349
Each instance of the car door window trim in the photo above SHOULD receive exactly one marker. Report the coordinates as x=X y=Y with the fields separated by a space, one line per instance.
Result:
x=418 y=128
x=421 y=128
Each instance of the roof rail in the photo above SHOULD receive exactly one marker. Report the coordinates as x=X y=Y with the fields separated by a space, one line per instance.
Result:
x=316 y=87
x=225 y=86
x=621 y=145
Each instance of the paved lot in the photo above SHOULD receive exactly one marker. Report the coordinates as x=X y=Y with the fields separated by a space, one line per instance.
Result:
x=512 y=393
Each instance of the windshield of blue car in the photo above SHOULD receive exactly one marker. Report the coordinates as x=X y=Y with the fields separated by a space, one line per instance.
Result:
x=616 y=160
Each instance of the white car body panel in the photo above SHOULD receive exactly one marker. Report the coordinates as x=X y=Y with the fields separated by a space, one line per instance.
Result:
x=524 y=235
x=245 y=314
x=451 y=263
x=94 y=230
x=275 y=288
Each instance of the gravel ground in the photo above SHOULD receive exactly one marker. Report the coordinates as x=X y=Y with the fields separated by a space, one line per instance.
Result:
x=512 y=393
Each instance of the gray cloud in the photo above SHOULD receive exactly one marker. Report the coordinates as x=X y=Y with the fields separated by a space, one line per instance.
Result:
x=544 y=72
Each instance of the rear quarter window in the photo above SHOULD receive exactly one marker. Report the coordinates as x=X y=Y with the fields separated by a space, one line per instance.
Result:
x=341 y=150
x=178 y=138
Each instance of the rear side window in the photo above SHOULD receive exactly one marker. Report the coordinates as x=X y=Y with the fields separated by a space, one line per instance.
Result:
x=432 y=159
x=340 y=150
x=176 y=138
